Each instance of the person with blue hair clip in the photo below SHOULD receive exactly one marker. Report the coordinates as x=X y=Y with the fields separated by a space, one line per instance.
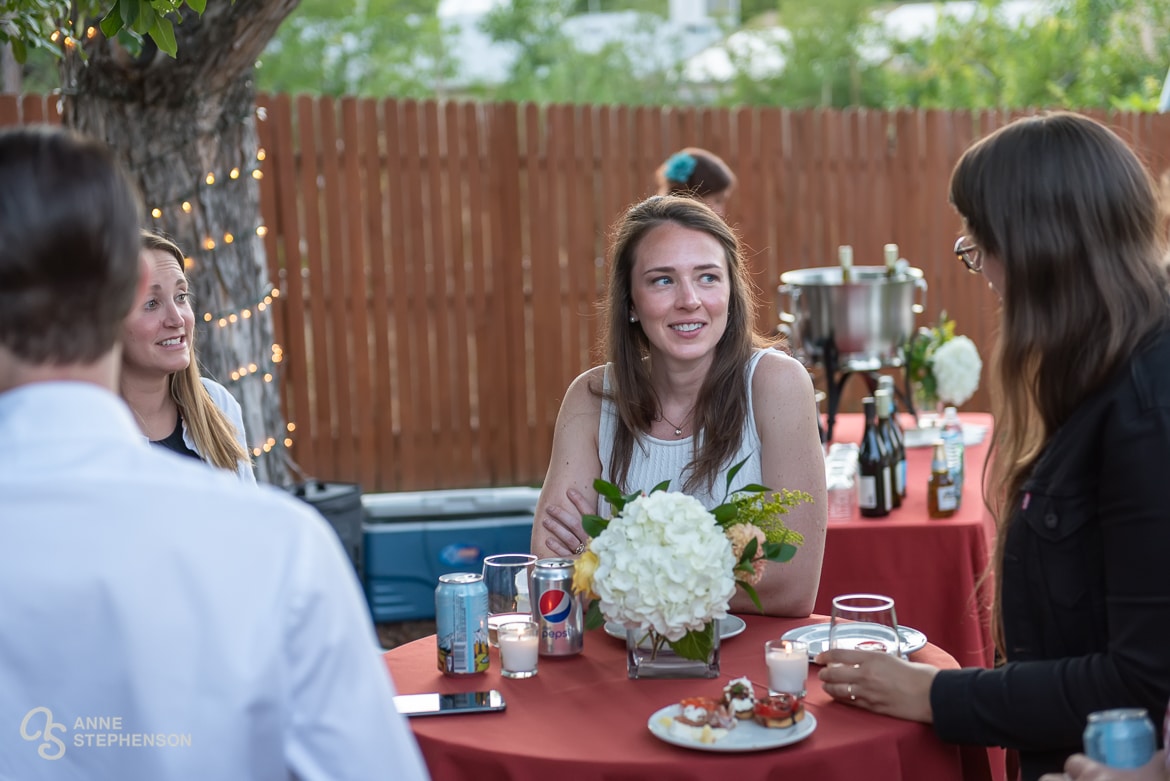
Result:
x=699 y=174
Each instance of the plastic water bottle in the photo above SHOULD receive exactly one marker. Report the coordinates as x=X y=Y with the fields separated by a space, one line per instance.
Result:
x=952 y=437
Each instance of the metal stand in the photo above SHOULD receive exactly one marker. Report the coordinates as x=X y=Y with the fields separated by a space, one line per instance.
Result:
x=836 y=376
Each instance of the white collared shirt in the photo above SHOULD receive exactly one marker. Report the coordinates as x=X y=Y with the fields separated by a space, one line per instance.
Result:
x=160 y=620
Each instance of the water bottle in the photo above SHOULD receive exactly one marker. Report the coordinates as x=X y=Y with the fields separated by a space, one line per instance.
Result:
x=952 y=437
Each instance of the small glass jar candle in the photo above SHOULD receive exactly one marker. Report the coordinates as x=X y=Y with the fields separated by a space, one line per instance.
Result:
x=518 y=648
x=787 y=662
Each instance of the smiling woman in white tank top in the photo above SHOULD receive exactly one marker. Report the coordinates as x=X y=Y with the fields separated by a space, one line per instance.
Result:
x=688 y=391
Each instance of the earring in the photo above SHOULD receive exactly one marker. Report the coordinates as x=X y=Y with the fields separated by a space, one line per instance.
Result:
x=633 y=319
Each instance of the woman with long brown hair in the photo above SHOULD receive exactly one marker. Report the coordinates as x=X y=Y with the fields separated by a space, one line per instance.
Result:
x=175 y=406
x=1062 y=220
x=688 y=392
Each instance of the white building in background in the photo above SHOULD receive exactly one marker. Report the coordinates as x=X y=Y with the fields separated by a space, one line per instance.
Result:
x=693 y=25
x=759 y=51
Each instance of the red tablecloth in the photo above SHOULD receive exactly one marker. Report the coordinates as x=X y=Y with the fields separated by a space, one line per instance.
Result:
x=581 y=718
x=930 y=567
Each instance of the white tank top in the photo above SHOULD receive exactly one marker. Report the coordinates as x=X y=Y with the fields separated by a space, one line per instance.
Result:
x=655 y=460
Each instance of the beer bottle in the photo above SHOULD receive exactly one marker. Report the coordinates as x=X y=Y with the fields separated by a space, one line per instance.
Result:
x=941 y=496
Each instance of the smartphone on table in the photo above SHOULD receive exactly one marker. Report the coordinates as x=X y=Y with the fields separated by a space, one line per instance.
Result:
x=436 y=704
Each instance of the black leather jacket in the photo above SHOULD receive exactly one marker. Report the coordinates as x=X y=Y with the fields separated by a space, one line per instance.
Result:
x=1086 y=580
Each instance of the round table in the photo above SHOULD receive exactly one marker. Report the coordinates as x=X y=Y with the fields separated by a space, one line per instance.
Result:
x=582 y=718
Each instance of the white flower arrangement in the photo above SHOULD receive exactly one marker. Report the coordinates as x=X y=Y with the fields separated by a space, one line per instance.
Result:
x=664 y=564
x=941 y=366
x=669 y=567
x=956 y=367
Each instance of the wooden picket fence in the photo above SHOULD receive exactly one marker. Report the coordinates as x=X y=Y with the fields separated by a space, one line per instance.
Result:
x=440 y=262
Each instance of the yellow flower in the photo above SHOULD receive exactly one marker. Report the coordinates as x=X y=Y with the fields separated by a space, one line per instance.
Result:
x=583 y=574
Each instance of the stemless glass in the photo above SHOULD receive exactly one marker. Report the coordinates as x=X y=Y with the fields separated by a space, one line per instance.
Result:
x=506 y=576
x=865 y=622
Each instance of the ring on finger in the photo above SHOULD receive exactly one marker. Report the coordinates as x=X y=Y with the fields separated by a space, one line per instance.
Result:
x=579 y=549
x=852 y=696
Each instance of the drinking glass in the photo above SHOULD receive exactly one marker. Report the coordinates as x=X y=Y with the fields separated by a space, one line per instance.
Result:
x=787 y=662
x=865 y=622
x=506 y=576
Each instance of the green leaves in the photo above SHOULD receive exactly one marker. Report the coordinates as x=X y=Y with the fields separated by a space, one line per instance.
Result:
x=696 y=644
x=593 y=524
x=593 y=617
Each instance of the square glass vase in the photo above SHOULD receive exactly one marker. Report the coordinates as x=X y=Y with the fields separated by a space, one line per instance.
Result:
x=644 y=661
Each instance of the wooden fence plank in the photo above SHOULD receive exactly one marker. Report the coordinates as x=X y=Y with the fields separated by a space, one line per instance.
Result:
x=405 y=414
x=321 y=427
x=461 y=438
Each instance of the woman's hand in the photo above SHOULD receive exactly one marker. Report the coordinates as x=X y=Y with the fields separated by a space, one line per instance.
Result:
x=1078 y=767
x=566 y=536
x=879 y=682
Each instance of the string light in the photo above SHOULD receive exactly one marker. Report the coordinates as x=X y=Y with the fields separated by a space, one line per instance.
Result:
x=212 y=179
x=272 y=443
x=276 y=356
x=227 y=318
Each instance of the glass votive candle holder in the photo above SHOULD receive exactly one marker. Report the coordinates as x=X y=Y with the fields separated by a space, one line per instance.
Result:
x=787 y=662
x=519 y=648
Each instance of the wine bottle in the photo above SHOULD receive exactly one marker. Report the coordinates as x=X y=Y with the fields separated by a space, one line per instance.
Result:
x=891 y=253
x=941 y=496
x=884 y=399
x=876 y=485
x=845 y=258
x=899 y=436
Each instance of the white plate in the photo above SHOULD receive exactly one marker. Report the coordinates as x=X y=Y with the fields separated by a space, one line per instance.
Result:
x=728 y=627
x=745 y=736
x=817 y=637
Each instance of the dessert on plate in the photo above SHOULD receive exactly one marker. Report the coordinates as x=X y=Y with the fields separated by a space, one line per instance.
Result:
x=739 y=698
x=779 y=711
x=702 y=719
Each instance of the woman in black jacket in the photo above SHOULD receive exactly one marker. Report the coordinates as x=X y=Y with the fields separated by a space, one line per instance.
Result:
x=1062 y=220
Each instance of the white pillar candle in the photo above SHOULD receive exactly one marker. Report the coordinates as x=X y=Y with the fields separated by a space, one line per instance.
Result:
x=787 y=662
x=519 y=650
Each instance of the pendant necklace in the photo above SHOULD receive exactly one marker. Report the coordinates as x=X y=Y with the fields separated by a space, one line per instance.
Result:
x=677 y=429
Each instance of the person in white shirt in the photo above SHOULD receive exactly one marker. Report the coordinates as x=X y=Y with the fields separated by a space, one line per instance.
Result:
x=160 y=619
x=174 y=406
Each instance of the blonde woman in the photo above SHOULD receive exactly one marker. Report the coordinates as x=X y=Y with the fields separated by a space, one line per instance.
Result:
x=174 y=406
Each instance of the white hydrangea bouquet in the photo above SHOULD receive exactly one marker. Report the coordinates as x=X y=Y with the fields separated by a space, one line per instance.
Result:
x=667 y=566
x=943 y=368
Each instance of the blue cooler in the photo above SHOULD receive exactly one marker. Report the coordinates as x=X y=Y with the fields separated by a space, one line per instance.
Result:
x=411 y=538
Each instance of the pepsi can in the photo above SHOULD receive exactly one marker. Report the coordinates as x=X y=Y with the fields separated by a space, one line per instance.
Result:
x=461 y=631
x=1122 y=737
x=556 y=609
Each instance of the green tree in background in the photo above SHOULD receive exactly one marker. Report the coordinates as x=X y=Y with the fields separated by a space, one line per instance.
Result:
x=822 y=66
x=1085 y=54
x=372 y=48
x=551 y=68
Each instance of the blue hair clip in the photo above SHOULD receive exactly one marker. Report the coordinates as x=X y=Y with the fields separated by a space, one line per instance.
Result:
x=679 y=167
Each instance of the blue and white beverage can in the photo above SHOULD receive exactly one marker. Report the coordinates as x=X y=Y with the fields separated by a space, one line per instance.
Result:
x=461 y=630
x=556 y=609
x=1122 y=737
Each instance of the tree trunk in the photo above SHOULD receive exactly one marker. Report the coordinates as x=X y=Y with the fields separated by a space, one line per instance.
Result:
x=174 y=122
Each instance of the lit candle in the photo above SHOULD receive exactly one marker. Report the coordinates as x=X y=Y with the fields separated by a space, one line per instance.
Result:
x=787 y=662
x=518 y=649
